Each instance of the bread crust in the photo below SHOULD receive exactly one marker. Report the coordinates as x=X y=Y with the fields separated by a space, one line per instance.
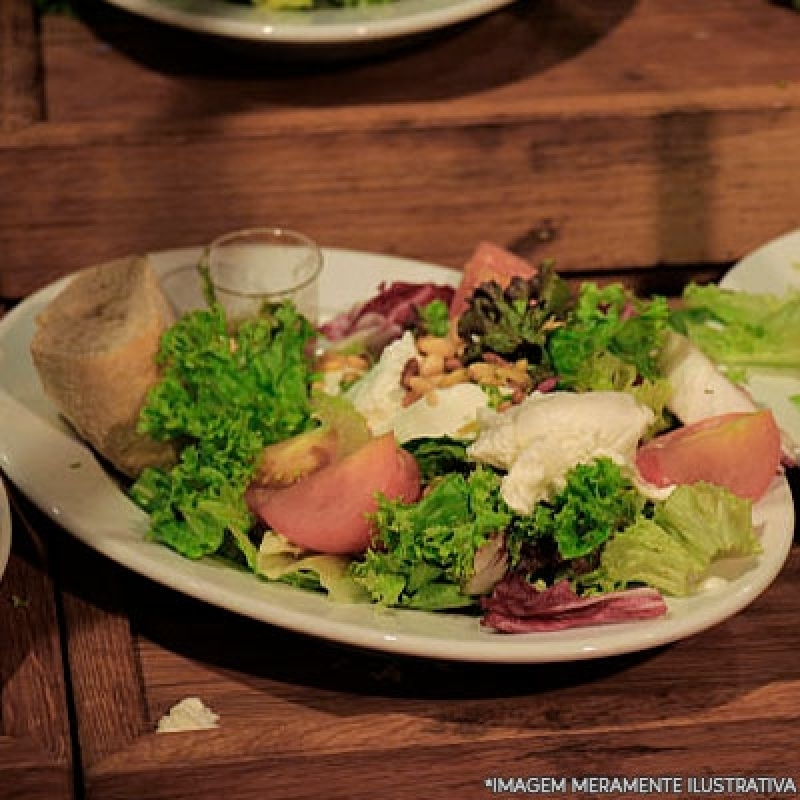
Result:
x=94 y=349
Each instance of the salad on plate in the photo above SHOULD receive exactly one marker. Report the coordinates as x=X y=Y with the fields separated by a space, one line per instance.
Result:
x=538 y=456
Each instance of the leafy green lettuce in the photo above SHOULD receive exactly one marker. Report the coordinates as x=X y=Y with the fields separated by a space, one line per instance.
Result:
x=434 y=318
x=609 y=319
x=424 y=552
x=439 y=455
x=605 y=339
x=279 y=560
x=224 y=396
x=597 y=501
x=611 y=342
x=672 y=551
x=742 y=330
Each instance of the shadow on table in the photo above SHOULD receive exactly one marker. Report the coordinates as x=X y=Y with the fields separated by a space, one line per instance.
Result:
x=524 y=39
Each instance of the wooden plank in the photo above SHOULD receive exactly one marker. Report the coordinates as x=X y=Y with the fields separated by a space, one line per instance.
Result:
x=102 y=660
x=21 y=88
x=602 y=193
x=35 y=748
x=607 y=138
x=462 y=770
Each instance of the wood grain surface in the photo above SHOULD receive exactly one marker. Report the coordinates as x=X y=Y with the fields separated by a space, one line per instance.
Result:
x=35 y=747
x=609 y=135
x=21 y=79
x=300 y=717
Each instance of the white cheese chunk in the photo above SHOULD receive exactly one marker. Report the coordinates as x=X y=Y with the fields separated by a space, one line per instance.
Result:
x=446 y=413
x=699 y=389
x=379 y=394
x=546 y=435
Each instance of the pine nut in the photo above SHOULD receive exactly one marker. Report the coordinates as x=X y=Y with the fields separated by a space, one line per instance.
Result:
x=330 y=362
x=351 y=375
x=481 y=372
x=356 y=362
x=453 y=378
x=431 y=365
x=430 y=345
x=420 y=385
x=513 y=377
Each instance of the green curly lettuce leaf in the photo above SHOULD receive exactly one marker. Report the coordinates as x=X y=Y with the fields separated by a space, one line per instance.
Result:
x=439 y=455
x=424 y=552
x=434 y=318
x=609 y=319
x=223 y=396
x=597 y=501
x=688 y=531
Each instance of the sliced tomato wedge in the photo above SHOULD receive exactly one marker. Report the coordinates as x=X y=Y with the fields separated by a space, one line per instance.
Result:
x=488 y=263
x=740 y=451
x=328 y=511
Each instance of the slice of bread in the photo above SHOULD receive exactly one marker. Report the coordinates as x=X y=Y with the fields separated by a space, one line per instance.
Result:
x=94 y=350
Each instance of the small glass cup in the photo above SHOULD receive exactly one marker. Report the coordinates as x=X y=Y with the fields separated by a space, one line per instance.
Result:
x=252 y=268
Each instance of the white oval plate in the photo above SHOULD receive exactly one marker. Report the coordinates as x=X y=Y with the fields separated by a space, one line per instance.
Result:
x=395 y=18
x=772 y=269
x=64 y=479
x=5 y=529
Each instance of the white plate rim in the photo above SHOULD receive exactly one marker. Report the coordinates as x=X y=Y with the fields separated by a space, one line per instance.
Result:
x=328 y=27
x=87 y=503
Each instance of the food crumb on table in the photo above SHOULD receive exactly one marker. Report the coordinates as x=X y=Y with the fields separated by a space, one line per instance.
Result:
x=190 y=714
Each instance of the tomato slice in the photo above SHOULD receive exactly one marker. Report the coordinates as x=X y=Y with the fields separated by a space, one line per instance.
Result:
x=740 y=451
x=328 y=511
x=488 y=263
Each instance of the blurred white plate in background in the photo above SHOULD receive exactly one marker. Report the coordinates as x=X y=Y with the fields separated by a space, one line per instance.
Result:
x=389 y=20
x=772 y=269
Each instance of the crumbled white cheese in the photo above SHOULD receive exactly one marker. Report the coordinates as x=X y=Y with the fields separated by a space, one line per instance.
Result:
x=379 y=394
x=546 y=435
x=447 y=413
x=191 y=714
x=699 y=389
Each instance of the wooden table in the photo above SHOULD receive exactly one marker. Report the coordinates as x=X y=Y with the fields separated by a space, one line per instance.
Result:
x=647 y=140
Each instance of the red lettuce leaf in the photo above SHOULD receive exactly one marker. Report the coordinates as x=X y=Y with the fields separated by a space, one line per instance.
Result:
x=382 y=319
x=517 y=606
